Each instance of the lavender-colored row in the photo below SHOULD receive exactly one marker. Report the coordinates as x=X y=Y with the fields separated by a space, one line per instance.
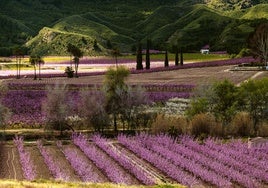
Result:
x=227 y=167
x=159 y=162
x=54 y=167
x=236 y=61
x=190 y=149
x=256 y=153
x=26 y=105
x=102 y=161
x=25 y=160
x=180 y=157
x=239 y=163
x=137 y=171
x=81 y=167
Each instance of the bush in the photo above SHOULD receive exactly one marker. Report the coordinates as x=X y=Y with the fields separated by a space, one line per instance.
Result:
x=173 y=125
x=263 y=130
x=242 y=125
x=69 y=72
x=203 y=125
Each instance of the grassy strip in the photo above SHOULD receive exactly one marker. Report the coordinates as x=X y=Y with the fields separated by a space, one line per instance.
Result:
x=58 y=184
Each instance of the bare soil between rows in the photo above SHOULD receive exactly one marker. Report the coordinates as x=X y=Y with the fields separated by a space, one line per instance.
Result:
x=196 y=76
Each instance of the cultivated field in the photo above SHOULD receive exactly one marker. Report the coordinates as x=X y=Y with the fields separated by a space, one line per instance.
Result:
x=139 y=160
x=205 y=75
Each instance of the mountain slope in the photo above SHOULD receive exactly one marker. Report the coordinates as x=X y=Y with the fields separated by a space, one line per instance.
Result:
x=225 y=25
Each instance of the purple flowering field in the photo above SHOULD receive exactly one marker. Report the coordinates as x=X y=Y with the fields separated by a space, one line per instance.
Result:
x=145 y=160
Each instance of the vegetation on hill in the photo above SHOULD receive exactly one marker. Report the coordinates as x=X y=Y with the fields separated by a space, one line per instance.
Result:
x=47 y=26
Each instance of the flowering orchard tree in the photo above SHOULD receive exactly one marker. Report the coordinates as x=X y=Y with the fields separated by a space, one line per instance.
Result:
x=55 y=108
x=258 y=42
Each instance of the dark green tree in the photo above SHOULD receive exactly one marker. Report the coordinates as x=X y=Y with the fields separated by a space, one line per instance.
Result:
x=181 y=58
x=221 y=99
x=176 y=55
x=19 y=54
x=148 y=46
x=166 y=59
x=254 y=94
x=77 y=53
x=115 y=53
x=139 y=65
x=36 y=60
x=115 y=87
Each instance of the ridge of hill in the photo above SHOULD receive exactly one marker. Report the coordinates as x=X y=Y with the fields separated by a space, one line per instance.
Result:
x=47 y=26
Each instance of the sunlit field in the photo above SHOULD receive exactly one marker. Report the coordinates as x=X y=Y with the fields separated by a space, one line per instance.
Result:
x=57 y=64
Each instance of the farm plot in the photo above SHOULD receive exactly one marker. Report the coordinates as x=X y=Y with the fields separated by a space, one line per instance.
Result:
x=140 y=160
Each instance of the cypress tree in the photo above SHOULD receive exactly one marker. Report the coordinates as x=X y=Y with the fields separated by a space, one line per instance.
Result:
x=166 y=59
x=181 y=62
x=148 y=54
x=176 y=56
x=139 y=58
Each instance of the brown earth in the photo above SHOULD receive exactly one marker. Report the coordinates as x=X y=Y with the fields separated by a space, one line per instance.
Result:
x=196 y=76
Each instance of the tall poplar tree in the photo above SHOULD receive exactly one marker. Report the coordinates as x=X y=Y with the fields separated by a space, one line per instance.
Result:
x=139 y=58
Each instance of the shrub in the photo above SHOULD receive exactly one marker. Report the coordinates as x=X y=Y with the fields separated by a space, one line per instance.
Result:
x=69 y=72
x=204 y=125
x=173 y=125
x=241 y=125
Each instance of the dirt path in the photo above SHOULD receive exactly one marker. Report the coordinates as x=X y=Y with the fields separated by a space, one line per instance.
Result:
x=10 y=165
x=153 y=172
x=256 y=75
x=42 y=171
x=63 y=163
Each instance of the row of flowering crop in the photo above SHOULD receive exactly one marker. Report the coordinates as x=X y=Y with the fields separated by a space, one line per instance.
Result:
x=25 y=159
x=111 y=169
x=26 y=105
x=163 y=164
x=228 y=165
x=212 y=162
x=53 y=166
x=81 y=167
x=235 y=61
x=238 y=162
x=255 y=154
x=133 y=168
x=146 y=87
x=220 y=173
x=180 y=157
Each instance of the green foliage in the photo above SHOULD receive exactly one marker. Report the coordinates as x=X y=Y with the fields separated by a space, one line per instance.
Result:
x=80 y=23
x=115 y=88
x=224 y=100
x=255 y=100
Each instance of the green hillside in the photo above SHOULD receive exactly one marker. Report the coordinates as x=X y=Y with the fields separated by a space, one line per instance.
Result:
x=47 y=26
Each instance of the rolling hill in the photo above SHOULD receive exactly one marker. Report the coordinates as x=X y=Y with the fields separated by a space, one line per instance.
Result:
x=47 y=26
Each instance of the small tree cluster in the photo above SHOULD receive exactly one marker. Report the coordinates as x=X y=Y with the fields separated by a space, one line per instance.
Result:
x=117 y=103
x=224 y=101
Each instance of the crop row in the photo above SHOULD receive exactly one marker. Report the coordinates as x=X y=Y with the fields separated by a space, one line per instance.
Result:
x=183 y=159
x=236 y=61
x=26 y=105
